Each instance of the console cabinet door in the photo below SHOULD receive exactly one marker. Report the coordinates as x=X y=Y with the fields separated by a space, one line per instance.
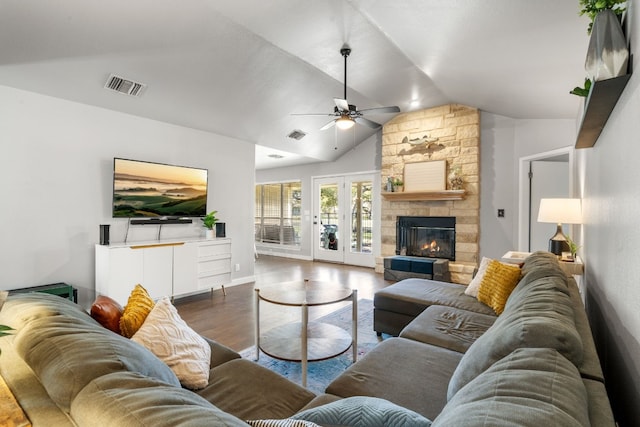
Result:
x=157 y=271
x=185 y=269
x=118 y=270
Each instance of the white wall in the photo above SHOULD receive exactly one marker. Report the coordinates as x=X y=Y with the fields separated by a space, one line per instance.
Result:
x=609 y=179
x=497 y=189
x=365 y=157
x=503 y=141
x=56 y=169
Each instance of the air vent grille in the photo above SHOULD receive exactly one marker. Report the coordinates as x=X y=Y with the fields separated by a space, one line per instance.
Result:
x=297 y=134
x=125 y=86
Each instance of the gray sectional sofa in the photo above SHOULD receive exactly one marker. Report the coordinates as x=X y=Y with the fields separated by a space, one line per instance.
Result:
x=457 y=365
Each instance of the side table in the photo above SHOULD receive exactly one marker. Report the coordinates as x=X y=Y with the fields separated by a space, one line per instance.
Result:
x=306 y=341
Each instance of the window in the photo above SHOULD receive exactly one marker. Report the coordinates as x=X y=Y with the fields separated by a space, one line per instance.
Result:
x=277 y=216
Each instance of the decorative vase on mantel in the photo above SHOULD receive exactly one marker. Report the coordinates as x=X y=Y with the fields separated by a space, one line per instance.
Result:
x=607 y=55
x=455 y=179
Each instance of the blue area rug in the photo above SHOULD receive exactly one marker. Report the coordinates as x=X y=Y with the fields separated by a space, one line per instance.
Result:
x=321 y=373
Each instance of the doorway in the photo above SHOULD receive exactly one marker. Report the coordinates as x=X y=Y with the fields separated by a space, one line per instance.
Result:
x=343 y=219
x=544 y=175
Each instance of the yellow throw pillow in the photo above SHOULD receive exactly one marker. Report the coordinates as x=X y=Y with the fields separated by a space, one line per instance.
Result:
x=497 y=284
x=135 y=312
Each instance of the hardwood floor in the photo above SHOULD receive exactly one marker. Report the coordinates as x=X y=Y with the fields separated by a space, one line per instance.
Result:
x=230 y=319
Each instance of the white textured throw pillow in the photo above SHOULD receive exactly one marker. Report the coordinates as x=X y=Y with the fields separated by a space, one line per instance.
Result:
x=167 y=336
x=472 y=288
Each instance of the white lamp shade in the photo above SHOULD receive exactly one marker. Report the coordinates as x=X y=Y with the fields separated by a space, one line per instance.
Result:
x=560 y=211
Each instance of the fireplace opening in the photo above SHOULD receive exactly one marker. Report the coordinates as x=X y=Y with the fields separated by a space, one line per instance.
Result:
x=426 y=236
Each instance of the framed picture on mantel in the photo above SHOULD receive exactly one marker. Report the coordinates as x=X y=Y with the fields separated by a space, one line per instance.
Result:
x=425 y=176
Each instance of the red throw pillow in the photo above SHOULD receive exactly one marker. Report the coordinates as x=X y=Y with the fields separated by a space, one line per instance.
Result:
x=107 y=312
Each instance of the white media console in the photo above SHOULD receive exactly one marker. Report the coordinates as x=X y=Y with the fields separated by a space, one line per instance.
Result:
x=164 y=268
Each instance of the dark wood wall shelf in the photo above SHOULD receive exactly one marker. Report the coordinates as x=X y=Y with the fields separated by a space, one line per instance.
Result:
x=603 y=96
x=425 y=195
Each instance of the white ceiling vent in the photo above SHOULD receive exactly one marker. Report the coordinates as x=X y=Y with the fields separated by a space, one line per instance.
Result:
x=122 y=85
x=297 y=134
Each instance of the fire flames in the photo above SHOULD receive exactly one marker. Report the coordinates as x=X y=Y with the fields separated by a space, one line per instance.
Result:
x=431 y=247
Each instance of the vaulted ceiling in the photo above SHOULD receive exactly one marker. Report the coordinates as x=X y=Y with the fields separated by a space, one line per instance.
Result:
x=242 y=68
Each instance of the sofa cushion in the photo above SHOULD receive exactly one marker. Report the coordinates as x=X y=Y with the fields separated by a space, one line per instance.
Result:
x=448 y=327
x=541 y=317
x=412 y=296
x=134 y=400
x=541 y=259
x=287 y=422
x=167 y=336
x=138 y=307
x=67 y=349
x=251 y=392
x=384 y=372
x=528 y=388
x=362 y=411
x=497 y=284
x=20 y=309
x=107 y=312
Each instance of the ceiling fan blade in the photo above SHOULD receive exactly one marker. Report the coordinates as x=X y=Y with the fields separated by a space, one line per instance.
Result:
x=328 y=125
x=342 y=104
x=381 y=110
x=313 y=114
x=367 y=122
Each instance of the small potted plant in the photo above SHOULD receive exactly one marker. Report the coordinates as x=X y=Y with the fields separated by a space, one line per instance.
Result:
x=573 y=247
x=209 y=222
x=397 y=185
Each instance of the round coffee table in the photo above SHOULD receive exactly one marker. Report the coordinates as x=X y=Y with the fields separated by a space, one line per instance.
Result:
x=306 y=341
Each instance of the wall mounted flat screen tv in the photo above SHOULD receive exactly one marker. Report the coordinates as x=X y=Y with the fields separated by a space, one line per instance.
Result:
x=147 y=190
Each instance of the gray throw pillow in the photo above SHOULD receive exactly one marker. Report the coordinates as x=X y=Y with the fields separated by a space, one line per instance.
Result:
x=539 y=316
x=531 y=387
x=362 y=411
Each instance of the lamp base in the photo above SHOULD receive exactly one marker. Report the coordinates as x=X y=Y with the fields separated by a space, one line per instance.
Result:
x=558 y=243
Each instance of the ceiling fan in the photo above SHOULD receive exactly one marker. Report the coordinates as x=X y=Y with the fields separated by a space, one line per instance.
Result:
x=347 y=114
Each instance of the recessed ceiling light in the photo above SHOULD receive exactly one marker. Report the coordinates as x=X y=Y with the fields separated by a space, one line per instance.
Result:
x=275 y=156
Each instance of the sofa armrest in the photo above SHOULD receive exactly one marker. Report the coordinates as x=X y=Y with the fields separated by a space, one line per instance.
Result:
x=220 y=353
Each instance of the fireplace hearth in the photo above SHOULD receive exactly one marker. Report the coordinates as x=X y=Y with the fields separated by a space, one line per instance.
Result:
x=426 y=236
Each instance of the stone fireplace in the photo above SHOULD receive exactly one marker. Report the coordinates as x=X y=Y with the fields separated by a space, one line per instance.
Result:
x=457 y=129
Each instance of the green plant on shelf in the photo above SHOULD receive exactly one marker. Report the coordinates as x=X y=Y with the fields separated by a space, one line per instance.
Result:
x=582 y=91
x=591 y=8
x=573 y=247
x=209 y=220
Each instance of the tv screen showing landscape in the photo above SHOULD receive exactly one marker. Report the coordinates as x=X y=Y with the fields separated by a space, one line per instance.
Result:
x=146 y=189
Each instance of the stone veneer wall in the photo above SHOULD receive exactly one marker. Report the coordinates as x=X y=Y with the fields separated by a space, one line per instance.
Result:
x=458 y=129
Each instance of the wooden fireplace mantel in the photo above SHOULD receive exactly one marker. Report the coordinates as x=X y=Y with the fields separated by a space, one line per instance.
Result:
x=425 y=195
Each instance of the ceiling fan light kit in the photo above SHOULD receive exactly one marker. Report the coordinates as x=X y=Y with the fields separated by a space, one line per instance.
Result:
x=345 y=122
x=346 y=115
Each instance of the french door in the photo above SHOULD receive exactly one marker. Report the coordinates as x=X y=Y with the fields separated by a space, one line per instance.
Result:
x=343 y=219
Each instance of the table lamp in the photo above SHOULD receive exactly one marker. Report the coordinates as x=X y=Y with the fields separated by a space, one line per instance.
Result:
x=559 y=211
